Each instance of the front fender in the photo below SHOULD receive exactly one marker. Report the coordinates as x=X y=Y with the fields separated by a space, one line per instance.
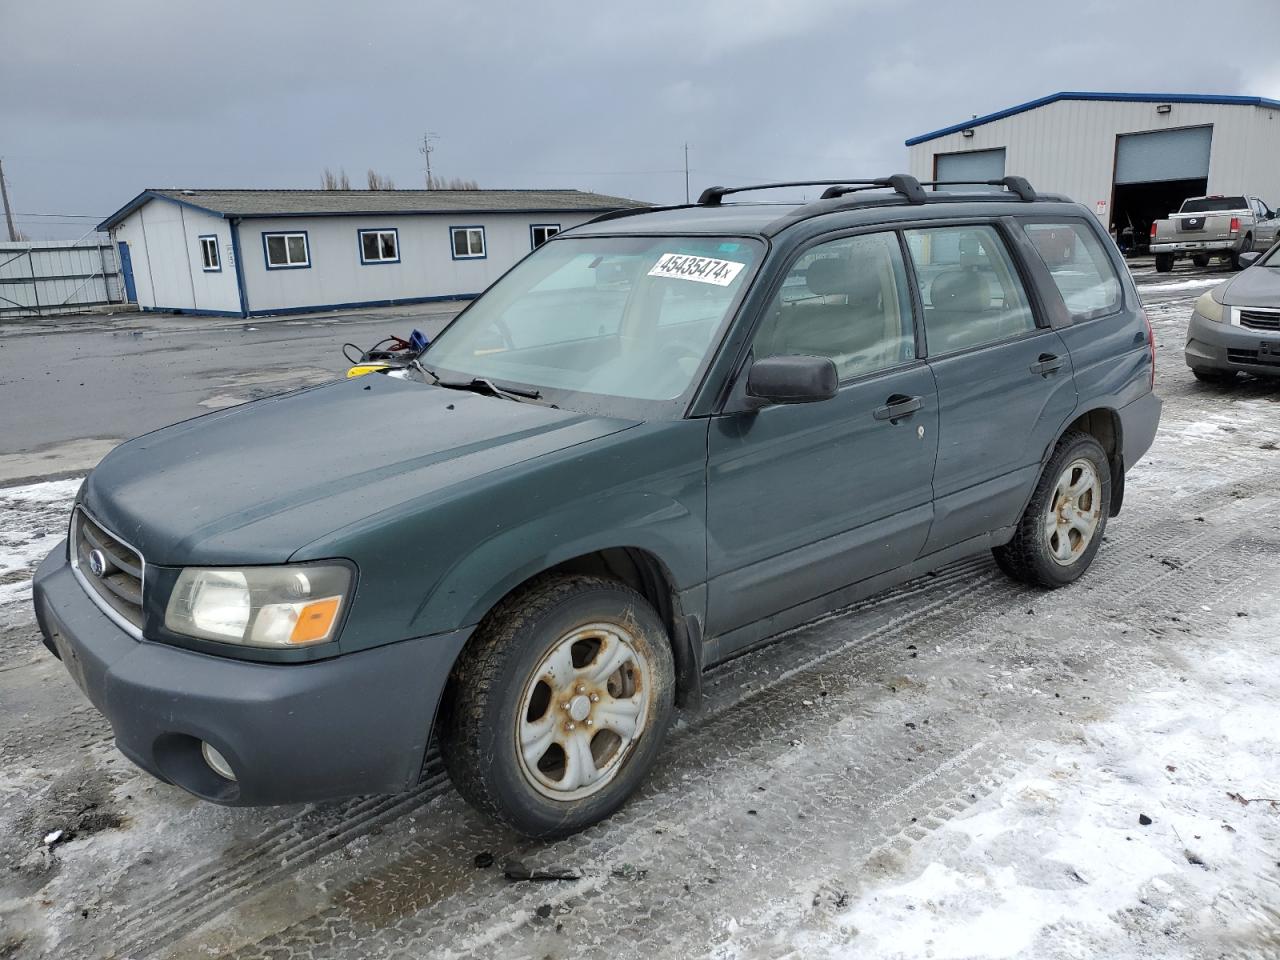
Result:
x=657 y=523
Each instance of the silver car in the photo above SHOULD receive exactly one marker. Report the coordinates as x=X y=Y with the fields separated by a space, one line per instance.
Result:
x=1236 y=327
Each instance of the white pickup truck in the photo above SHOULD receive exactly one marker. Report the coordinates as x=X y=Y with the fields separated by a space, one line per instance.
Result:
x=1215 y=226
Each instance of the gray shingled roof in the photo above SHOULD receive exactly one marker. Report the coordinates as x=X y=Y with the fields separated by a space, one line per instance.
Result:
x=265 y=203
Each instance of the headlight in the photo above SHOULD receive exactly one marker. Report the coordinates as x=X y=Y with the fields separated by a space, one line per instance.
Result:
x=1211 y=309
x=288 y=606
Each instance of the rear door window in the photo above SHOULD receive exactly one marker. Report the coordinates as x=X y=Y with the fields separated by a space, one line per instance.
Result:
x=972 y=294
x=1080 y=267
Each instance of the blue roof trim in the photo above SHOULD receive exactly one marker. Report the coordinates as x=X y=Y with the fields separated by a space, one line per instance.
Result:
x=1079 y=95
x=146 y=196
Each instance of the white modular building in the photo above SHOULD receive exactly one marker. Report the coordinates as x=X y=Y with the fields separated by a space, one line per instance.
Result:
x=1130 y=157
x=253 y=252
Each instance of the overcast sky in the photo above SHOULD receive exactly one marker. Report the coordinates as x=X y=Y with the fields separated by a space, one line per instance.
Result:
x=101 y=100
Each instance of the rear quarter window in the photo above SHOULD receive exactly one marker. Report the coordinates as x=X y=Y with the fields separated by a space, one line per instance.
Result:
x=1080 y=267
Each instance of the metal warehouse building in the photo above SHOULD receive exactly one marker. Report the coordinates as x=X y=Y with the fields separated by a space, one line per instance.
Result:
x=251 y=252
x=1131 y=157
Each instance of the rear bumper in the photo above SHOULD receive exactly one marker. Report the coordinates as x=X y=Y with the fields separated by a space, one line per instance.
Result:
x=1224 y=346
x=1139 y=421
x=358 y=723
x=1194 y=246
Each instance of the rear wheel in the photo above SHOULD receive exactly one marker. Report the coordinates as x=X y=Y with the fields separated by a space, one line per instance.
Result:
x=1164 y=262
x=1062 y=527
x=1200 y=259
x=1246 y=247
x=557 y=709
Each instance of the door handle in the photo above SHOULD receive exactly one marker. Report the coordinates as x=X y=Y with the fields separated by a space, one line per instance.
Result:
x=1047 y=364
x=897 y=406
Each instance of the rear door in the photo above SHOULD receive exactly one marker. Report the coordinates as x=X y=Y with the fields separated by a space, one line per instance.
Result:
x=1004 y=379
x=804 y=499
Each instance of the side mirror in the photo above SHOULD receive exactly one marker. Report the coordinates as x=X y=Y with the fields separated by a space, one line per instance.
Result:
x=792 y=380
x=1250 y=258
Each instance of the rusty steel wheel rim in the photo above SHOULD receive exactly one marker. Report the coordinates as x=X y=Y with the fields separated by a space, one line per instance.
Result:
x=582 y=712
x=1075 y=511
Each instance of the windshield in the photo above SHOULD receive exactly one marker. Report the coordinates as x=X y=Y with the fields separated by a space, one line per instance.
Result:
x=620 y=317
x=1214 y=205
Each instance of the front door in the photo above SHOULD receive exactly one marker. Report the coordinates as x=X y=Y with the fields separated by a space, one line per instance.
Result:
x=1005 y=384
x=126 y=271
x=805 y=499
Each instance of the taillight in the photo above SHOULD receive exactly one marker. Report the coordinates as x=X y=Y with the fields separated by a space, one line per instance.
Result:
x=1151 y=345
x=1235 y=224
x=1153 y=228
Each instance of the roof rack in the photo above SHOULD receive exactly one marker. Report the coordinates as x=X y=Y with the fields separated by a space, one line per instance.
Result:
x=1017 y=185
x=902 y=183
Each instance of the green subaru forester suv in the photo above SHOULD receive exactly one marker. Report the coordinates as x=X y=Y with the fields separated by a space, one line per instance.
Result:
x=661 y=439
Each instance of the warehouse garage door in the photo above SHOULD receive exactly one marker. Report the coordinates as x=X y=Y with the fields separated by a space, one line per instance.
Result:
x=973 y=167
x=1155 y=172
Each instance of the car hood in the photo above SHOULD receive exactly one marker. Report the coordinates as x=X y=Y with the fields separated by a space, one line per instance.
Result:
x=255 y=483
x=1254 y=287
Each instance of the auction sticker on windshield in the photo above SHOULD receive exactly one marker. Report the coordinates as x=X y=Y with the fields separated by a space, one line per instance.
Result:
x=683 y=266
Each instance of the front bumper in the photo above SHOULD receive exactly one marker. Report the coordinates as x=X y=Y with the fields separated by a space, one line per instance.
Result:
x=358 y=723
x=1195 y=246
x=1224 y=346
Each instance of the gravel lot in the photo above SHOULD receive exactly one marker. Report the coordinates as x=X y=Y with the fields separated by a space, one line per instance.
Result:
x=962 y=767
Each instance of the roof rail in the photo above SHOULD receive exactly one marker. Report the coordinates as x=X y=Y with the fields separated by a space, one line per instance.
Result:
x=902 y=183
x=634 y=211
x=1016 y=185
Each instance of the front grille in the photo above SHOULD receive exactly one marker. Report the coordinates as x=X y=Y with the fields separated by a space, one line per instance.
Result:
x=117 y=589
x=1254 y=357
x=1260 y=319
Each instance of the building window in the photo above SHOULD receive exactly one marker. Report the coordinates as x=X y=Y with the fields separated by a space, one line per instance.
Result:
x=286 y=250
x=209 y=259
x=468 y=243
x=379 y=246
x=540 y=233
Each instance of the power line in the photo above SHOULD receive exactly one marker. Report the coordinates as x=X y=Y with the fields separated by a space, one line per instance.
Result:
x=64 y=216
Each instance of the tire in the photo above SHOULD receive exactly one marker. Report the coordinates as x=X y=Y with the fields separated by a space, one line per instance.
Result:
x=1207 y=375
x=506 y=689
x=1164 y=262
x=1246 y=247
x=1200 y=259
x=1057 y=557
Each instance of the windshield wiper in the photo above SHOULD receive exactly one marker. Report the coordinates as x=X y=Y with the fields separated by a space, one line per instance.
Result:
x=480 y=385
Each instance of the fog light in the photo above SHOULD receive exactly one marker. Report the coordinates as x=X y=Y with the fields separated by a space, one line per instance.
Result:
x=216 y=761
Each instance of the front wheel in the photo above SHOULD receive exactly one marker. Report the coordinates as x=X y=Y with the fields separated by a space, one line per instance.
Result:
x=557 y=708
x=1061 y=529
x=1207 y=375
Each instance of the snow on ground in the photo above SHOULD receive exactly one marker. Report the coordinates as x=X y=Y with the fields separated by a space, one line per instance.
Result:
x=33 y=518
x=1177 y=286
x=1144 y=827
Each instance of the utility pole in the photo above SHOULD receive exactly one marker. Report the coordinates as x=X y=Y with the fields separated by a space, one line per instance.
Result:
x=426 y=150
x=686 y=173
x=8 y=213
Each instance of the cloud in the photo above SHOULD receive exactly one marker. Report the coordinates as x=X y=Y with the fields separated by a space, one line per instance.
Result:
x=111 y=99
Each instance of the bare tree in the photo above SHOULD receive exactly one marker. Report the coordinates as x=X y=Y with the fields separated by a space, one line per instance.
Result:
x=330 y=181
x=454 y=183
x=379 y=182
